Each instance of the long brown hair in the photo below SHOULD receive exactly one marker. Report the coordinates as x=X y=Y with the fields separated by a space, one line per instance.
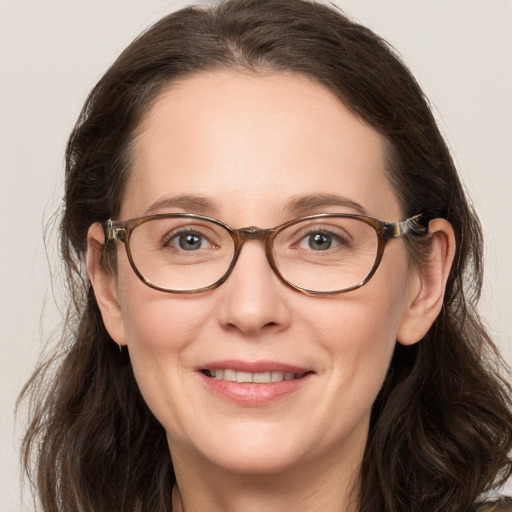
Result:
x=441 y=427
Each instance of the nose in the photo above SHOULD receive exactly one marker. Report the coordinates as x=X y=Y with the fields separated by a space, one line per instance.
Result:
x=253 y=297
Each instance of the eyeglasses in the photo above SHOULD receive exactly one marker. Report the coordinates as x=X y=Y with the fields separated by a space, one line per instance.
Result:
x=317 y=255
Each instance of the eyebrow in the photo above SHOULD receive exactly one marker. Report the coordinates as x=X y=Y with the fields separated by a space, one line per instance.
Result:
x=299 y=205
x=187 y=202
x=302 y=205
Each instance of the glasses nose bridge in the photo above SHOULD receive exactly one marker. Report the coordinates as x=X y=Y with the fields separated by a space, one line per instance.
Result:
x=254 y=233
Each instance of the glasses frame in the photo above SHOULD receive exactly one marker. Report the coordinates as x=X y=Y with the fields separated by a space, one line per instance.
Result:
x=122 y=230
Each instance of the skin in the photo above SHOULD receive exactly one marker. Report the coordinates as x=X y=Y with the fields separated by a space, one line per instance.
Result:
x=251 y=144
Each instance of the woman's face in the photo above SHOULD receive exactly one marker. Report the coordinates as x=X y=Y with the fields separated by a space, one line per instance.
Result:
x=258 y=151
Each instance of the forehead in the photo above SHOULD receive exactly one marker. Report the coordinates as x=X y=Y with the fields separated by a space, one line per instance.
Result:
x=252 y=143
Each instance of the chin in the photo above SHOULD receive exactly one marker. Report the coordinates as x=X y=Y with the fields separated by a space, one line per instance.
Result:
x=248 y=450
x=256 y=461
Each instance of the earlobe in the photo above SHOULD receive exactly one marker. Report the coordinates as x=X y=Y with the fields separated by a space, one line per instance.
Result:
x=104 y=285
x=428 y=284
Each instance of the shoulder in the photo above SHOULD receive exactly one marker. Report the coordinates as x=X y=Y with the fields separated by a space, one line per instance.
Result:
x=500 y=505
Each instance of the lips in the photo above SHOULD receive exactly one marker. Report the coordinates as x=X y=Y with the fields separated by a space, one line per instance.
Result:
x=253 y=384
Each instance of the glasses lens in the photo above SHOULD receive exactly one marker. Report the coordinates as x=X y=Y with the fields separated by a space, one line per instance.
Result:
x=326 y=255
x=180 y=253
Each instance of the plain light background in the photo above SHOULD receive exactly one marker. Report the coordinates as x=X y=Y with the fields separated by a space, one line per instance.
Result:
x=53 y=52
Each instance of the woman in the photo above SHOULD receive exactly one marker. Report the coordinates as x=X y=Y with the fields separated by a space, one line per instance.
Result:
x=261 y=213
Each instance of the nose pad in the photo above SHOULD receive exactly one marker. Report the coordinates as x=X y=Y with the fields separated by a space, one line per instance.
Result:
x=253 y=295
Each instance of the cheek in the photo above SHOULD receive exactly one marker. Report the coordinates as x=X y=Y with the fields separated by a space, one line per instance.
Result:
x=361 y=347
x=160 y=331
x=155 y=322
x=162 y=328
x=358 y=331
x=161 y=336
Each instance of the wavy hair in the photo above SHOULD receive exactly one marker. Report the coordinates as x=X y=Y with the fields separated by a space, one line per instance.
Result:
x=441 y=427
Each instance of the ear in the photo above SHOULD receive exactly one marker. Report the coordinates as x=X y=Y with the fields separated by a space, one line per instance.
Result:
x=104 y=284
x=427 y=284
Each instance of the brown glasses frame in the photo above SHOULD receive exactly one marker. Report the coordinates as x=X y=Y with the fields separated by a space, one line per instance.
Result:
x=122 y=230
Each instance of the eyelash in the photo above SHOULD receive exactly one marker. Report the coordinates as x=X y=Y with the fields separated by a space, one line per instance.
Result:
x=175 y=234
x=316 y=231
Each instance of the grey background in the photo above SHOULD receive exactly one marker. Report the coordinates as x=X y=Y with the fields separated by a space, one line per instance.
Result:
x=52 y=53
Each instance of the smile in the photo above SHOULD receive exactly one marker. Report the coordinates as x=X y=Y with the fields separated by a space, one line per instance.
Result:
x=253 y=383
x=268 y=377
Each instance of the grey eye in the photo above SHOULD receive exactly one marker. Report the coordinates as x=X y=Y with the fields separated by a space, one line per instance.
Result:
x=188 y=241
x=319 y=241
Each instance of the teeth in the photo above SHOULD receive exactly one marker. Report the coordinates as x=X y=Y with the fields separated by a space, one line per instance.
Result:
x=230 y=375
x=277 y=376
x=244 y=377
x=259 y=378
x=262 y=377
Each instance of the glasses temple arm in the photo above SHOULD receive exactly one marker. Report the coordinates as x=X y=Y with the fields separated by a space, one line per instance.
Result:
x=417 y=225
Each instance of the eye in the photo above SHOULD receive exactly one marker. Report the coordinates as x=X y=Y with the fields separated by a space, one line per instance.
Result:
x=187 y=241
x=320 y=241
x=317 y=241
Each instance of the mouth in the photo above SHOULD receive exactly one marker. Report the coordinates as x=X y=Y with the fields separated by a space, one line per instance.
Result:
x=256 y=383
x=268 y=377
